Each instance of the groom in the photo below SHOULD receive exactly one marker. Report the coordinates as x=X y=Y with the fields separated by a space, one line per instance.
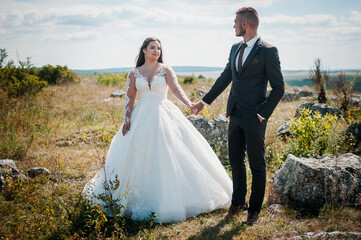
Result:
x=252 y=63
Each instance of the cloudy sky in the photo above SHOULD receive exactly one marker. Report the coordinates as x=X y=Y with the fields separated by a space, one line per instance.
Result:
x=89 y=34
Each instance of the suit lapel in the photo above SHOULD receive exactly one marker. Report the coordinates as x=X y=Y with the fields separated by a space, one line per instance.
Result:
x=251 y=55
x=234 y=70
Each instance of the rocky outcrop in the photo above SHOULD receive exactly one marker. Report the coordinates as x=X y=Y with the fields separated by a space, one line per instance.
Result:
x=284 y=129
x=119 y=93
x=355 y=129
x=310 y=183
x=304 y=93
x=37 y=171
x=215 y=131
x=327 y=235
x=290 y=96
x=322 y=108
x=9 y=170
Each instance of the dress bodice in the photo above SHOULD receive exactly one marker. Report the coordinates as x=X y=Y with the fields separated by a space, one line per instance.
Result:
x=157 y=88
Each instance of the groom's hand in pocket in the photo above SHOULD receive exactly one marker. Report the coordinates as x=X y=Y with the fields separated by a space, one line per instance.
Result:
x=197 y=108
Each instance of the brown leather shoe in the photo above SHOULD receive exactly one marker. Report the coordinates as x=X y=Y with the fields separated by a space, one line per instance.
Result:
x=235 y=209
x=252 y=218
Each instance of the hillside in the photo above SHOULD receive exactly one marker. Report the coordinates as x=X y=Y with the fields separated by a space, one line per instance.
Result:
x=297 y=78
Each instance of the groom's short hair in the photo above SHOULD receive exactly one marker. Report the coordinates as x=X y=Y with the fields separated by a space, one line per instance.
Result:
x=250 y=14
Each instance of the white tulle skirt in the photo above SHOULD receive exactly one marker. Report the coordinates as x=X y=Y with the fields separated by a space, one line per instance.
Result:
x=168 y=166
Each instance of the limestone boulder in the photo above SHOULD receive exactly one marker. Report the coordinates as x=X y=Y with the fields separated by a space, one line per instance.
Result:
x=9 y=170
x=215 y=131
x=309 y=183
x=37 y=171
x=322 y=108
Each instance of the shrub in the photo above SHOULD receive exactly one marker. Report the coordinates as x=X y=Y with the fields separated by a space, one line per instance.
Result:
x=343 y=89
x=19 y=81
x=113 y=79
x=319 y=78
x=312 y=134
x=57 y=75
x=190 y=79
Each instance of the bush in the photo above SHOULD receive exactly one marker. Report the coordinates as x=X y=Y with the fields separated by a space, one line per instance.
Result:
x=57 y=75
x=19 y=81
x=112 y=79
x=190 y=79
x=312 y=134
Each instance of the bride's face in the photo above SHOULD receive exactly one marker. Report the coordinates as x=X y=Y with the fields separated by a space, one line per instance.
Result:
x=153 y=50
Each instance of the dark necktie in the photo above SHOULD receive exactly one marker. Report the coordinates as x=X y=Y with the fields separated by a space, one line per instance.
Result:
x=243 y=46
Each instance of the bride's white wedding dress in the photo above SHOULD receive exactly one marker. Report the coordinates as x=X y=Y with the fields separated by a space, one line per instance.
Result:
x=169 y=167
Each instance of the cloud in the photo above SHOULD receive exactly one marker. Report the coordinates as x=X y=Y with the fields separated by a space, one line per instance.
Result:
x=315 y=19
x=86 y=35
x=91 y=16
x=355 y=17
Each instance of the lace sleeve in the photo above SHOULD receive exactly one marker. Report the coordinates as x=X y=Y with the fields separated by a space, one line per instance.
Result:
x=174 y=86
x=129 y=97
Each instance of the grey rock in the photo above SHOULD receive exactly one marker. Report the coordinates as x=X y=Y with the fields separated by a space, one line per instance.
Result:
x=198 y=92
x=106 y=100
x=9 y=166
x=355 y=129
x=297 y=89
x=215 y=131
x=37 y=171
x=275 y=209
x=355 y=100
x=284 y=129
x=9 y=170
x=310 y=183
x=289 y=96
x=331 y=235
x=304 y=93
x=322 y=108
x=119 y=93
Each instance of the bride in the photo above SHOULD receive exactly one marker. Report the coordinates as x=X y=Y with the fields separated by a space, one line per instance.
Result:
x=165 y=162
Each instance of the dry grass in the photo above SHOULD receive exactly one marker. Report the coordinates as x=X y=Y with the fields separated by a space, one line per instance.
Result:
x=79 y=128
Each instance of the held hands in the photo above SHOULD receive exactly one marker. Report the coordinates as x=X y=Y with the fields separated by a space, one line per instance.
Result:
x=196 y=108
x=126 y=127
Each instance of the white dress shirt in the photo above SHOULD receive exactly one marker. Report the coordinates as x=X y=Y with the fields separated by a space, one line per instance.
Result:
x=247 y=50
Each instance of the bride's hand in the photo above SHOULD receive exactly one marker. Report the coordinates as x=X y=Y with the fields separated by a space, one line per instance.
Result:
x=191 y=106
x=126 y=127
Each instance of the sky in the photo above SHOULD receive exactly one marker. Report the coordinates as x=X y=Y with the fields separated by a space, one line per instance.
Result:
x=96 y=34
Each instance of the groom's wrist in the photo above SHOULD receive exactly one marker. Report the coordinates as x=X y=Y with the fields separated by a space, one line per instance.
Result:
x=204 y=103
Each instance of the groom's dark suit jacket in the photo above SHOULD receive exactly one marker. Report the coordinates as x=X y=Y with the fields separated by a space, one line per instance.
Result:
x=249 y=85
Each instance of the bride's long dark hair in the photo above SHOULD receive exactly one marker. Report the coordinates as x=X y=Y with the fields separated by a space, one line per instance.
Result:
x=141 y=58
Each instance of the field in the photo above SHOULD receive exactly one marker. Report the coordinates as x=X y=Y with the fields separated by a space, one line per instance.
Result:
x=71 y=128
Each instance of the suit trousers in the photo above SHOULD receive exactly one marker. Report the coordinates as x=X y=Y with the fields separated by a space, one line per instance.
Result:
x=247 y=135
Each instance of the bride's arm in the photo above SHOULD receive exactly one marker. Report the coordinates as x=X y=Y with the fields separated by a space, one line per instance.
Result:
x=129 y=101
x=174 y=86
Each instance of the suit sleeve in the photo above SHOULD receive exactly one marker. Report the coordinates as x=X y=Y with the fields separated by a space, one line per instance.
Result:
x=221 y=83
x=274 y=75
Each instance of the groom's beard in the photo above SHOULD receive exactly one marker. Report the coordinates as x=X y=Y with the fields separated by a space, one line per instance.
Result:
x=242 y=32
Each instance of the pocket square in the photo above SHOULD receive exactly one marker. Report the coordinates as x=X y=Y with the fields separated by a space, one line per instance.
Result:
x=256 y=61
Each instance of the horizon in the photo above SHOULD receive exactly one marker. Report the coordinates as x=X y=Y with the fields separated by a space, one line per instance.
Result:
x=220 y=68
x=103 y=34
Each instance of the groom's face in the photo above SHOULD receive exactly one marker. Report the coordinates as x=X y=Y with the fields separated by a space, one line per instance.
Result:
x=239 y=26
